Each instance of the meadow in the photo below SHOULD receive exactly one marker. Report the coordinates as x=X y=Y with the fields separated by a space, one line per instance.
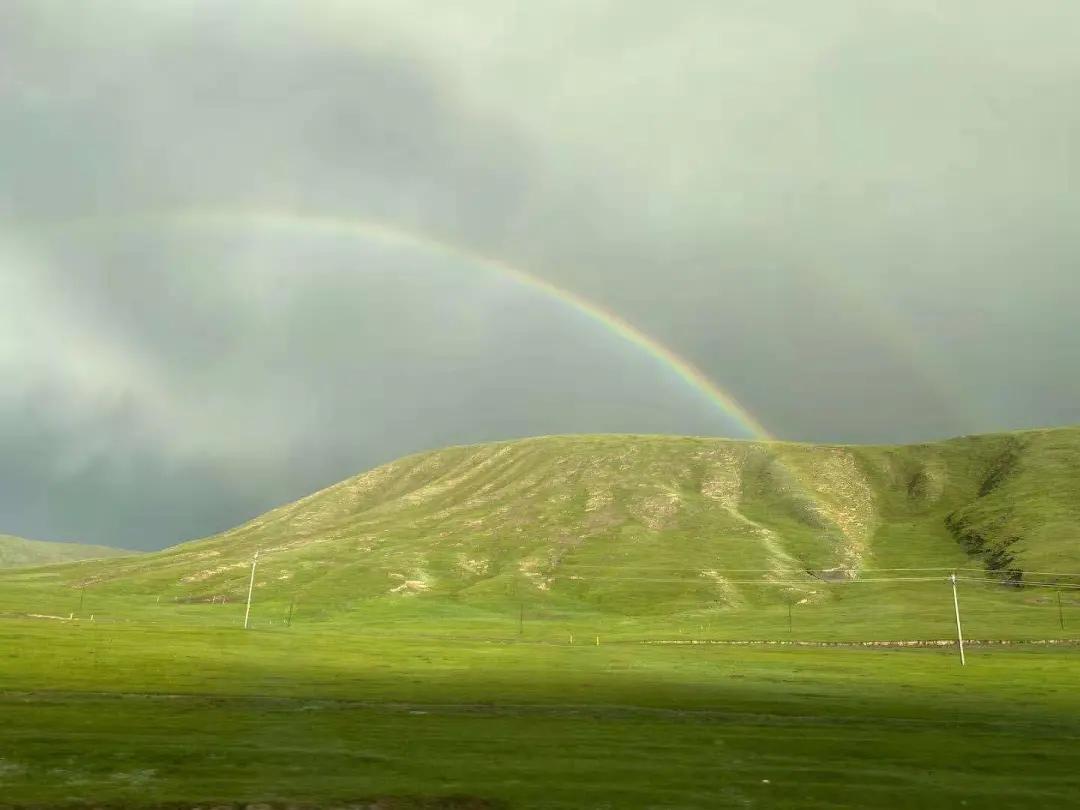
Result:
x=138 y=715
x=577 y=622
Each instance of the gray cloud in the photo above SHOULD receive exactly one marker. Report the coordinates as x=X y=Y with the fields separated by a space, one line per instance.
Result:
x=855 y=217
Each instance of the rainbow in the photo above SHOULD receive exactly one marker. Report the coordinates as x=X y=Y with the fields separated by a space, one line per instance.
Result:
x=395 y=235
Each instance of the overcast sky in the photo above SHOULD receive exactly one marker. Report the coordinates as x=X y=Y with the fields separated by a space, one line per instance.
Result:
x=857 y=218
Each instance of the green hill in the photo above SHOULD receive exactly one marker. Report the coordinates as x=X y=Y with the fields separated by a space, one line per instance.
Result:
x=651 y=527
x=529 y=621
x=18 y=552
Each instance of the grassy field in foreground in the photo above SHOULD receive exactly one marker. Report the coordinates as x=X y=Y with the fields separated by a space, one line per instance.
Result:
x=139 y=714
x=469 y=622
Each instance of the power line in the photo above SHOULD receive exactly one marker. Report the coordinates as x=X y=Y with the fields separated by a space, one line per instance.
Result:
x=1022 y=583
x=572 y=566
x=705 y=579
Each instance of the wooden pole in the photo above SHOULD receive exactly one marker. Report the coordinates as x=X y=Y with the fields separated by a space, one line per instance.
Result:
x=959 y=632
x=251 y=587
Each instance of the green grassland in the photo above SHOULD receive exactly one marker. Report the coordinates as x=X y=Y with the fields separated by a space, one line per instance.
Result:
x=495 y=623
x=629 y=535
x=16 y=552
x=136 y=715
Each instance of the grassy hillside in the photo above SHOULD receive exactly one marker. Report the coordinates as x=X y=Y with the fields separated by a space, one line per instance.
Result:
x=464 y=628
x=18 y=552
x=646 y=528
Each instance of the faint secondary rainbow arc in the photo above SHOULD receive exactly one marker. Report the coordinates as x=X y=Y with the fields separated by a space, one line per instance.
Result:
x=395 y=234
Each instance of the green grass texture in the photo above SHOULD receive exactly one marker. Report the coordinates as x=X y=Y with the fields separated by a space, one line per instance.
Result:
x=551 y=623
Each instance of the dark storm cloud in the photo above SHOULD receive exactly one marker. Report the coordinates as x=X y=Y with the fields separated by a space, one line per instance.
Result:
x=256 y=366
x=215 y=106
x=855 y=217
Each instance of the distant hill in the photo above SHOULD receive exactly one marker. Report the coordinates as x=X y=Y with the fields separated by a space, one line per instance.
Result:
x=17 y=552
x=643 y=523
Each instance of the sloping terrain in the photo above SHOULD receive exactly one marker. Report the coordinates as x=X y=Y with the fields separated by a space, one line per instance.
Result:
x=1025 y=517
x=514 y=621
x=641 y=524
x=18 y=552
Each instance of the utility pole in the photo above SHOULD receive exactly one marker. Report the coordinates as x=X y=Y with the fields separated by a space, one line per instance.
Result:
x=1061 y=616
x=292 y=602
x=956 y=607
x=251 y=587
x=82 y=596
